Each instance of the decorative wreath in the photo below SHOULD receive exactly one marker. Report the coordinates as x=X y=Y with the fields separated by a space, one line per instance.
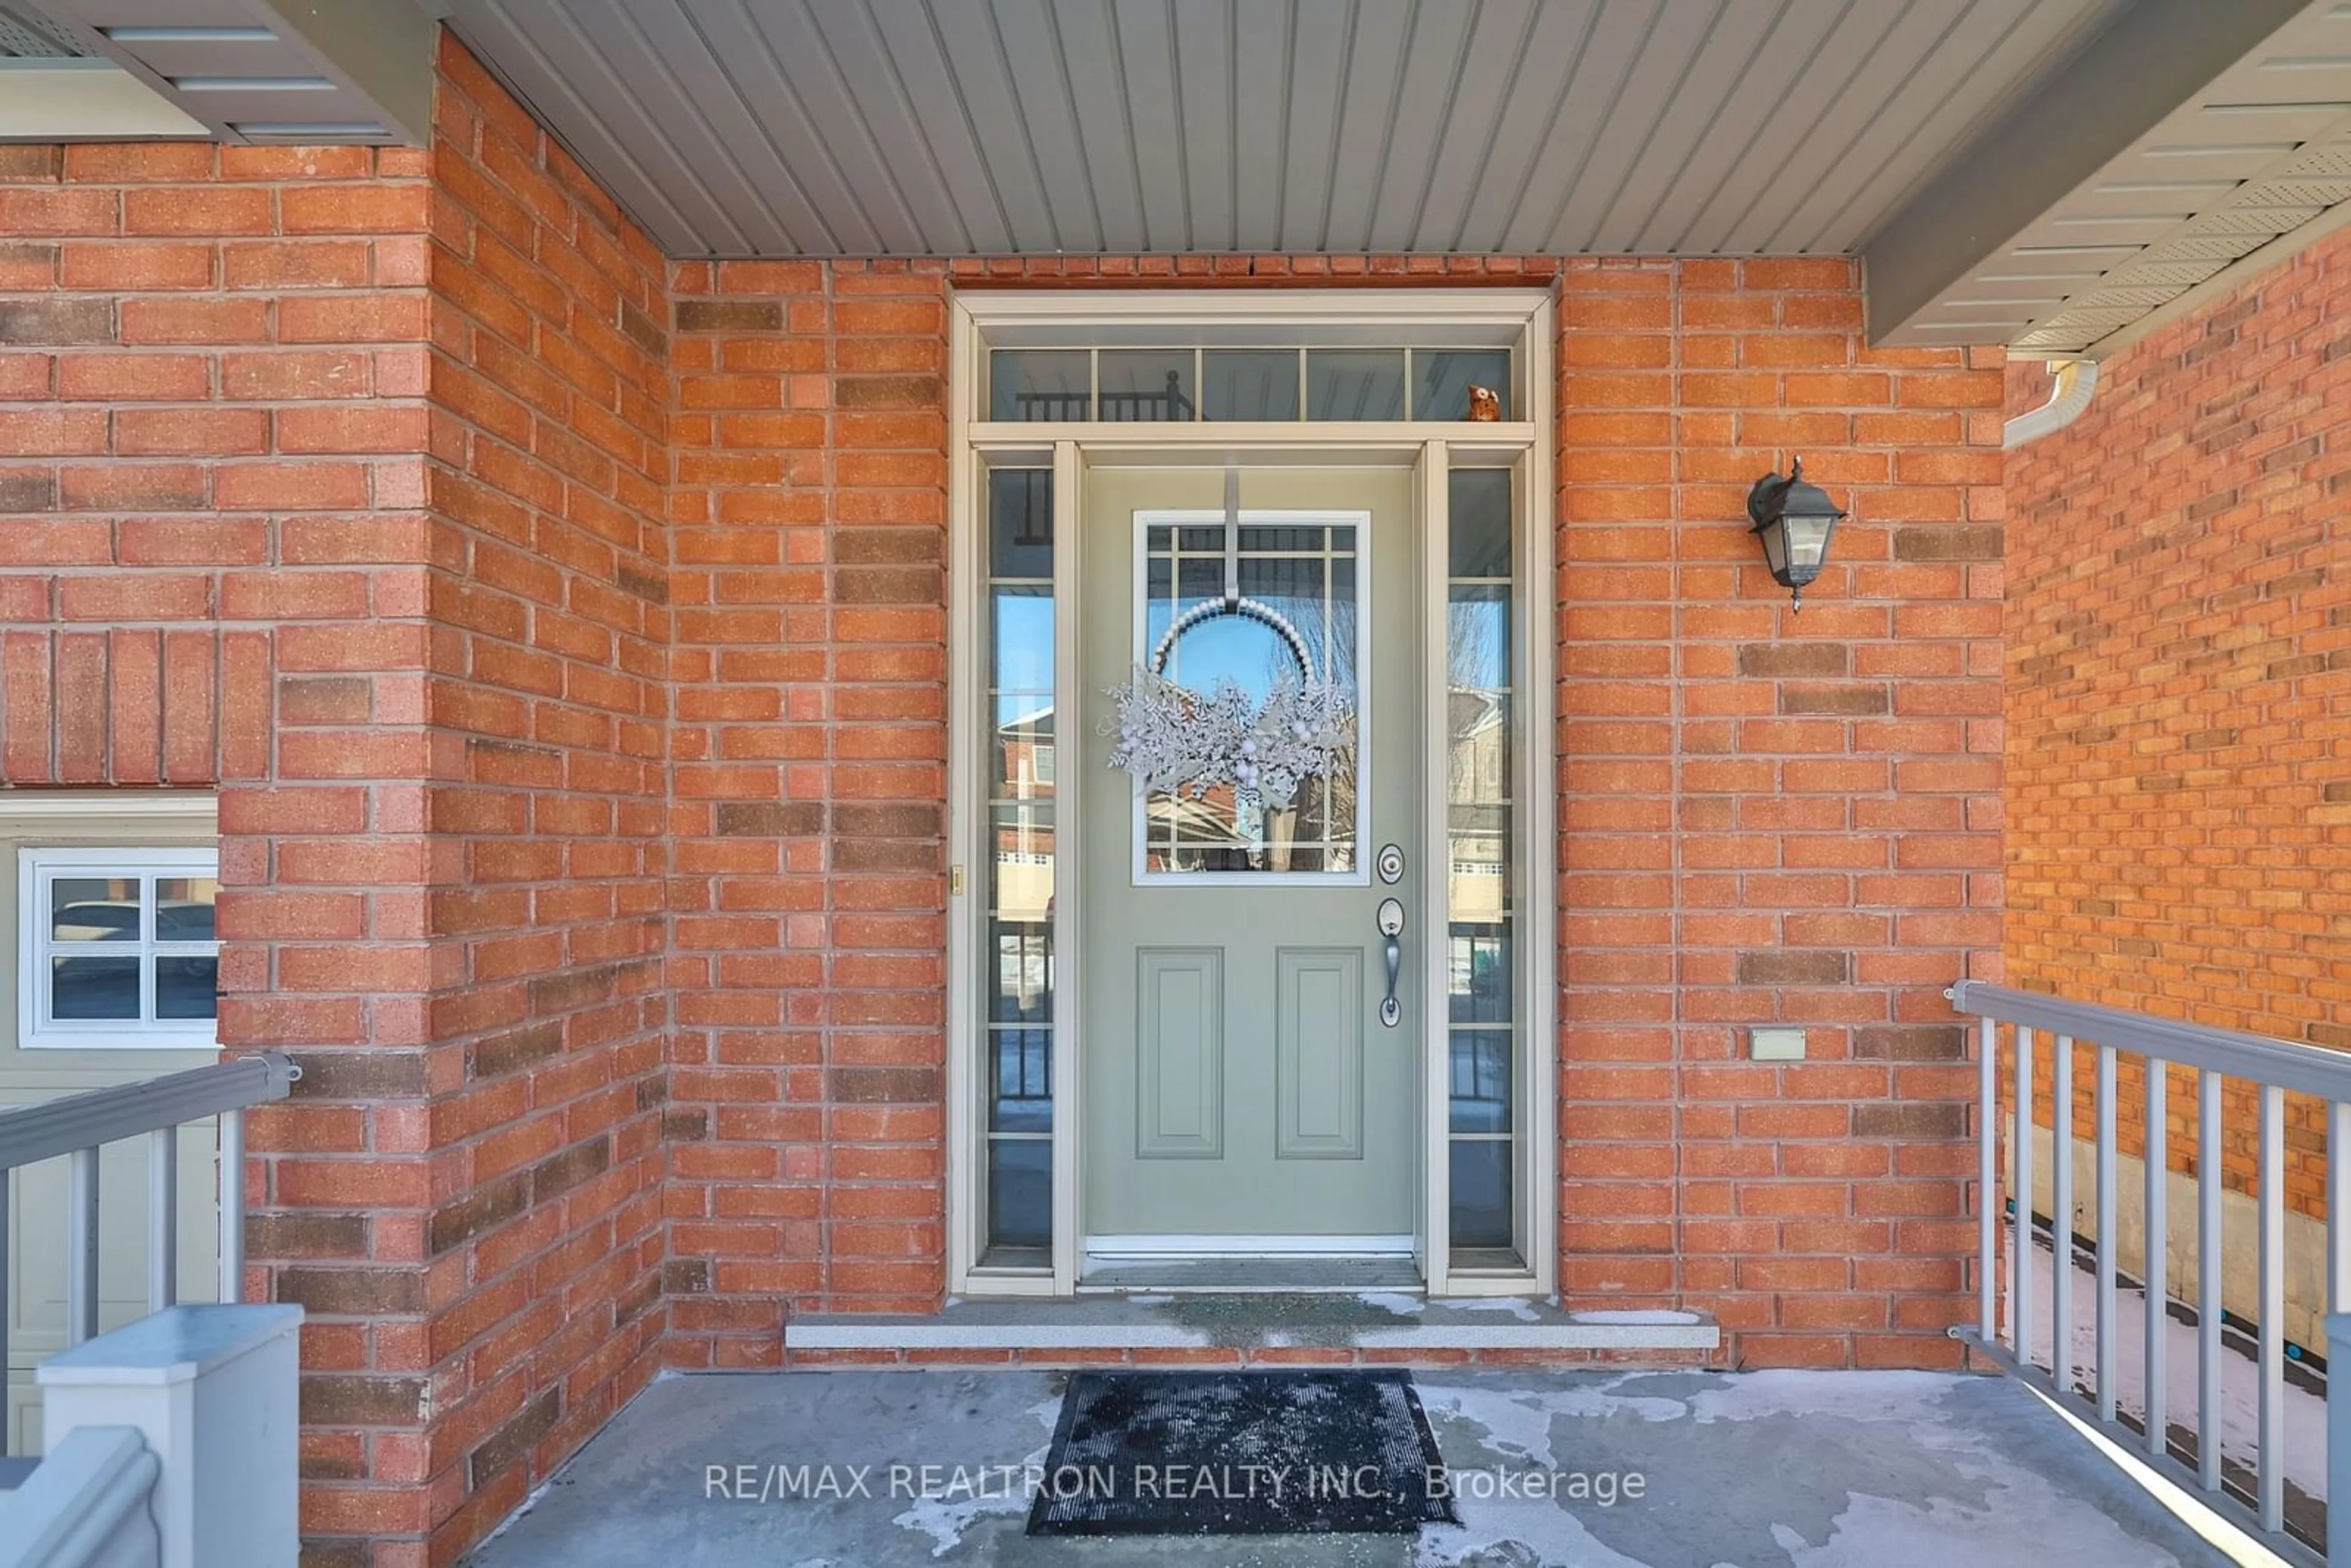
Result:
x=1173 y=738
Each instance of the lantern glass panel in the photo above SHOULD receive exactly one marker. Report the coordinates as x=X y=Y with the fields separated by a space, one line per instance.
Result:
x=1806 y=541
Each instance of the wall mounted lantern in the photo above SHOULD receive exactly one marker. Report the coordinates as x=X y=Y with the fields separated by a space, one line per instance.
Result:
x=1795 y=519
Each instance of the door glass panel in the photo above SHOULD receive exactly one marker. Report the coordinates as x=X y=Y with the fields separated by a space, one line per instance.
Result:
x=1017 y=878
x=1441 y=380
x=1354 y=383
x=1249 y=384
x=1020 y=1193
x=1040 y=383
x=1479 y=543
x=1297 y=626
x=1147 y=385
x=1020 y=524
x=1481 y=1002
x=1481 y=1193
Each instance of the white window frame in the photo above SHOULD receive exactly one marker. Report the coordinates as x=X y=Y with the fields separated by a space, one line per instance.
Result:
x=38 y=867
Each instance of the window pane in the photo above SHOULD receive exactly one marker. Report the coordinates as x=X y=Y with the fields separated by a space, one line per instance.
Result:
x=1482 y=1192
x=1149 y=385
x=94 y=909
x=1021 y=1192
x=1020 y=1091
x=1478 y=961
x=1480 y=522
x=1016 y=880
x=1020 y=522
x=1481 y=1072
x=1023 y=981
x=1441 y=380
x=1039 y=383
x=184 y=908
x=85 y=988
x=1354 y=383
x=1249 y=384
x=187 y=987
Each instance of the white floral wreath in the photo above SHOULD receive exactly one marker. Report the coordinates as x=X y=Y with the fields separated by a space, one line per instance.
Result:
x=1176 y=739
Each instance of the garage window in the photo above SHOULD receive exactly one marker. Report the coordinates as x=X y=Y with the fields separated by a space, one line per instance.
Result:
x=117 y=948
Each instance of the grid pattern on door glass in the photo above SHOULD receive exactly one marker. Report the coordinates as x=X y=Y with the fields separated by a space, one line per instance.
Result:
x=1017 y=977
x=1480 y=957
x=1309 y=575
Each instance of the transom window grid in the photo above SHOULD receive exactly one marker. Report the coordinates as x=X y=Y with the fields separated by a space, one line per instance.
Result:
x=1211 y=384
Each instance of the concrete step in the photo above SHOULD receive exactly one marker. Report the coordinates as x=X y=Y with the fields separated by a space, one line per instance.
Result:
x=1160 y=1326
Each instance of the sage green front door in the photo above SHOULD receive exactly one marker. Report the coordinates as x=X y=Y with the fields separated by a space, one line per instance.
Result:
x=1243 y=1093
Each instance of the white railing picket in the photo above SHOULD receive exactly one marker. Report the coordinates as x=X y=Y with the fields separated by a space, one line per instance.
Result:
x=2273 y=1067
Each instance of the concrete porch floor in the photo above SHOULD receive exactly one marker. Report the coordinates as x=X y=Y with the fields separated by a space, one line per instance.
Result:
x=1815 y=1468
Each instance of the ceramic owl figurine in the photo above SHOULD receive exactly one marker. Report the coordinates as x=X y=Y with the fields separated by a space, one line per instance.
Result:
x=1485 y=404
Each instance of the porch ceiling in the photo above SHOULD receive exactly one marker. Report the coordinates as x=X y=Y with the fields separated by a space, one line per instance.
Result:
x=960 y=128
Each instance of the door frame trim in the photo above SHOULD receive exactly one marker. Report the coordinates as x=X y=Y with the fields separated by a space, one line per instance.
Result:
x=1523 y=319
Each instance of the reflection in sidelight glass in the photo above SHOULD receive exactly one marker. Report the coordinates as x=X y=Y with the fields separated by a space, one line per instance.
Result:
x=1016 y=882
x=1480 y=936
x=1309 y=576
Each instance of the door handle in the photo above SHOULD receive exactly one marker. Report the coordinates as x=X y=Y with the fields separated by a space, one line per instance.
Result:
x=1391 y=921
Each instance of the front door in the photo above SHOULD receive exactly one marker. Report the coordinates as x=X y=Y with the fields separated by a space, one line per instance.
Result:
x=1247 y=1091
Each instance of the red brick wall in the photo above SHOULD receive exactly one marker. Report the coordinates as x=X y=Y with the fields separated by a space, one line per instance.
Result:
x=1767 y=817
x=213 y=368
x=808 y=826
x=335 y=479
x=547 y=696
x=1771 y=817
x=2180 y=652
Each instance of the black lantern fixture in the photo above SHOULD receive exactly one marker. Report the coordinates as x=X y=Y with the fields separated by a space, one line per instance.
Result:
x=1795 y=519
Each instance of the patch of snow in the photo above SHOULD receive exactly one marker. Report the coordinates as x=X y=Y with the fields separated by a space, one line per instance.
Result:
x=2305 y=1413
x=1518 y=1307
x=1388 y=1300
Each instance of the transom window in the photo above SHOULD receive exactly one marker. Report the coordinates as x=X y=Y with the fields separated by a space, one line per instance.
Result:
x=117 y=948
x=1160 y=385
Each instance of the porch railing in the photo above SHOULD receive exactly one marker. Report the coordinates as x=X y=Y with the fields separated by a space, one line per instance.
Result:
x=79 y=1126
x=2273 y=1068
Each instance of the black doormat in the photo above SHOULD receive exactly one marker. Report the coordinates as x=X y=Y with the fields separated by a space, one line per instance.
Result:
x=1240 y=1453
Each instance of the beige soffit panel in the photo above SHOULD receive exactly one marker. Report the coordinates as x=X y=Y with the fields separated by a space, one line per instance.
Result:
x=2172 y=208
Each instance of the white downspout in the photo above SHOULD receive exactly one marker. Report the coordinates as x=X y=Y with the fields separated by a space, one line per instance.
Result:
x=2076 y=380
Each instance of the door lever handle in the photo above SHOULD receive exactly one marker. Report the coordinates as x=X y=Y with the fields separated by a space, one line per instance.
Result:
x=1391 y=921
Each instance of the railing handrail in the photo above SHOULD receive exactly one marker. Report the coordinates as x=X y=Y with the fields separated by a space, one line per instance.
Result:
x=2305 y=1069
x=127 y=1110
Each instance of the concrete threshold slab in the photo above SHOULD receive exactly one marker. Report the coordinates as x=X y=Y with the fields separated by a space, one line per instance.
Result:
x=1374 y=1321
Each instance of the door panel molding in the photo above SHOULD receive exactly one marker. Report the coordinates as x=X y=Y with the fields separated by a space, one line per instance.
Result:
x=1179 y=1042
x=1319 y=1002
